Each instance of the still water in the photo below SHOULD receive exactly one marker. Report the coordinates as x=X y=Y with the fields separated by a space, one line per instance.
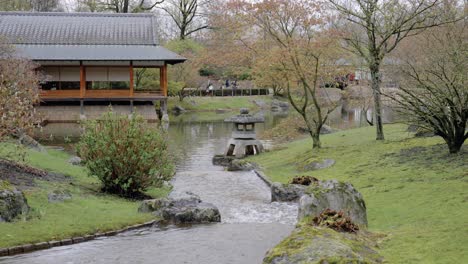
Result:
x=250 y=225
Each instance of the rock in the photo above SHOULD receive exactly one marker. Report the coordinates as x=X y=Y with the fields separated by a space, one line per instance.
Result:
x=221 y=160
x=326 y=130
x=240 y=165
x=279 y=106
x=178 y=109
x=334 y=195
x=286 y=192
x=181 y=209
x=75 y=160
x=308 y=244
x=12 y=203
x=260 y=103
x=30 y=142
x=326 y=163
x=58 y=196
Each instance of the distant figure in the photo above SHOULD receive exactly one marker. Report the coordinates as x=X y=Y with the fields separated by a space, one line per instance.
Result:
x=209 y=87
x=234 y=87
x=227 y=83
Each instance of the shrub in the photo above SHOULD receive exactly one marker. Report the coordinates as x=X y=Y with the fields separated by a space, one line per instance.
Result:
x=126 y=154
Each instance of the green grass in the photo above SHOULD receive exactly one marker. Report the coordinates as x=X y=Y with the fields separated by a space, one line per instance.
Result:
x=212 y=103
x=415 y=191
x=89 y=211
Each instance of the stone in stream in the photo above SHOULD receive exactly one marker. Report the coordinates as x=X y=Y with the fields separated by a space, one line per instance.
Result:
x=334 y=195
x=185 y=208
x=241 y=165
x=281 y=192
x=12 y=203
x=222 y=160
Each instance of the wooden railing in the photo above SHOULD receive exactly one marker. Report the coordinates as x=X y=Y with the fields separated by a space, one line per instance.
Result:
x=98 y=94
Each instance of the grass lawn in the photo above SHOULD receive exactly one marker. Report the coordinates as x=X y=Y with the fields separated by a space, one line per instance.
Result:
x=89 y=211
x=209 y=103
x=416 y=193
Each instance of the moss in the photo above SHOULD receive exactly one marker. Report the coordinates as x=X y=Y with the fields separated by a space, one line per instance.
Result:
x=434 y=181
x=304 y=245
x=4 y=185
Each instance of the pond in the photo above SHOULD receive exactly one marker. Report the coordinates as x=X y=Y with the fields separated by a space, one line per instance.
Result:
x=250 y=224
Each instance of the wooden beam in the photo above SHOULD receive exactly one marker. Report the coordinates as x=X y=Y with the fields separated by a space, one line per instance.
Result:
x=82 y=80
x=131 y=80
x=163 y=79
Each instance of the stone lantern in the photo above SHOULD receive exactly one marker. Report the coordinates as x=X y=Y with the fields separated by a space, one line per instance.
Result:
x=244 y=139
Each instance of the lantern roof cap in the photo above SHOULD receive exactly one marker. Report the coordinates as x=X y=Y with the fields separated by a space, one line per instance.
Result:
x=245 y=118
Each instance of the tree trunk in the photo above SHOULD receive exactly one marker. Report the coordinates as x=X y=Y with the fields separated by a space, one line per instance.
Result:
x=315 y=140
x=455 y=146
x=375 y=72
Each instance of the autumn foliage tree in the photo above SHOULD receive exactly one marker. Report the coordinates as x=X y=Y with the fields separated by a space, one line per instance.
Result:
x=19 y=91
x=306 y=48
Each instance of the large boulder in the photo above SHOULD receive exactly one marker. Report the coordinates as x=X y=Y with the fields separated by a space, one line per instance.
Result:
x=334 y=195
x=308 y=244
x=12 y=203
x=186 y=208
x=281 y=192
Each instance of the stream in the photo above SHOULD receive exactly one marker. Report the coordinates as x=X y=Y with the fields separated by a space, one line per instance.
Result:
x=250 y=223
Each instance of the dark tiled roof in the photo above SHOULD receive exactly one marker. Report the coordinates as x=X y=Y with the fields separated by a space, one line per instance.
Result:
x=98 y=52
x=78 y=28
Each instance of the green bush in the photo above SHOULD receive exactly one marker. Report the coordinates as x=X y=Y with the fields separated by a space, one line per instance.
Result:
x=126 y=154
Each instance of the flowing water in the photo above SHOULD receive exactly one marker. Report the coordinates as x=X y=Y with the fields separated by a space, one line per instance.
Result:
x=250 y=224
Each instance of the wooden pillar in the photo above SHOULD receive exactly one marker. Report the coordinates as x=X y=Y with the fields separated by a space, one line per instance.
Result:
x=163 y=79
x=82 y=80
x=131 y=79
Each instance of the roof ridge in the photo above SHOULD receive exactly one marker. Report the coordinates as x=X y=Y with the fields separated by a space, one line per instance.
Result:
x=76 y=14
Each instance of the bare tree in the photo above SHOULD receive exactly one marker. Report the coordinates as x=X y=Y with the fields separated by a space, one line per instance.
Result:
x=45 y=5
x=383 y=25
x=185 y=14
x=30 y=5
x=118 y=6
x=434 y=93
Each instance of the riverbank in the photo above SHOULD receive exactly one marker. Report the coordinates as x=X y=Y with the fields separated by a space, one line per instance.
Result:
x=88 y=212
x=227 y=103
x=414 y=190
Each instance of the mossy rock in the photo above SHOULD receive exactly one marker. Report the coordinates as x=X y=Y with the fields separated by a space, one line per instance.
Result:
x=308 y=244
x=334 y=195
